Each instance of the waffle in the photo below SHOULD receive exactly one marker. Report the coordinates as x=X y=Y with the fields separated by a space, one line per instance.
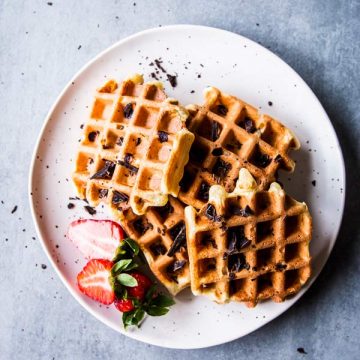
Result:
x=160 y=234
x=231 y=134
x=135 y=147
x=248 y=245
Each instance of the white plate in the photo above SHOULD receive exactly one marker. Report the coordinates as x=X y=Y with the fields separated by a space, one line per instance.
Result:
x=200 y=56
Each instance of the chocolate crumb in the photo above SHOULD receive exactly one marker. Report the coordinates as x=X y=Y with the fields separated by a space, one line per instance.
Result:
x=249 y=125
x=301 y=350
x=178 y=234
x=314 y=182
x=138 y=141
x=90 y=209
x=120 y=141
x=14 y=209
x=172 y=80
x=43 y=266
x=70 y=205
x=158 y=64
x=270 y=103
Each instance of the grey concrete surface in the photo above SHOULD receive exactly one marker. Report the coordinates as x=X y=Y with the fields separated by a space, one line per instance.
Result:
x=42 y=44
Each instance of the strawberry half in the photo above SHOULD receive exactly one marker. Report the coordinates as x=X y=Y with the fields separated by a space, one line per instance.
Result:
x=93 y=281
x=96 y=239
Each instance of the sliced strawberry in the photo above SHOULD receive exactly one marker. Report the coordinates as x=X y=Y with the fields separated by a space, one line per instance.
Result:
x=124 y=305
x=96 y=239
x=93 y=281
x=139 y=291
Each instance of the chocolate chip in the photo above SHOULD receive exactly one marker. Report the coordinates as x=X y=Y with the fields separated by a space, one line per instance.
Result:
x=217 y=152
x=215 y=131
x=178 y=234
x=119 y=197
x=92 y=136
x=203 y=193
x=176 y=266
x=90 y=209
x=222 y=110
x=163 y=136
x=103 y=193
x=249 y=125
x=105 y=172
x=210 y=213
x=70 y=205
x=172 y=80
x=128 y=110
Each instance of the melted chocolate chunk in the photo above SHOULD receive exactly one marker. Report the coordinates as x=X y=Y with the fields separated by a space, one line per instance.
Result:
x=128 y=110
x=172 y=80
x=120 y=141
x=262 y=160
x=90 y=209
x=178 y=234
x=133 y=169
x=103 y=193
x=203 y=193
x=210 y=213
x=92 y=135
x=176 y=266
x=215 y=131
x=249 y=125
x=280 y=267
x=237 y=262
x=106 y=172
x=142 y=225
x=242 y=212
x=221 y=168
x=138 y=141
x=119 y=197
x=278 y=158
x=222 y=110
x=158 y=249
x=165 y=210
x=128 y=158
x=236 y=240
x=217 y=152
x=163 y=136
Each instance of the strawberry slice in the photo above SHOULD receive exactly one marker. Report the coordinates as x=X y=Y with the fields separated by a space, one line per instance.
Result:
x=93 y=281
x=96 y=239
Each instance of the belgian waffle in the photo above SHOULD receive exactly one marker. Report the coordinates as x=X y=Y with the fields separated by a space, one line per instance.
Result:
x=161 y=235
x=248 y=245
x=134 y=148
x=231 y=134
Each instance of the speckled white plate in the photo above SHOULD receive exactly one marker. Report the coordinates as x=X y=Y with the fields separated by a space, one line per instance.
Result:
x=200 y=56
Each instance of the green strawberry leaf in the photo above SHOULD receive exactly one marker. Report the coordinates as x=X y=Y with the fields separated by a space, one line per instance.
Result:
x=126 y=280
x=133 y=317
x=121 y=265
x=156 y=310
x=162 y=301
x=133 y=245
x=149 y=294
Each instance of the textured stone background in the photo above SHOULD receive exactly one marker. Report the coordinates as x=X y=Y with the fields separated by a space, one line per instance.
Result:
x=40 y=51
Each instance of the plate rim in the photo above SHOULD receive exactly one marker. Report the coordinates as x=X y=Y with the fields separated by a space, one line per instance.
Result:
x=31 y=180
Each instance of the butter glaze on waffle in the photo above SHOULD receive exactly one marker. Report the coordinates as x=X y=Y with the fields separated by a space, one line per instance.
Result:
x=248 y=245
x=161 y=235
x=135 y=147
x=231 y=134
